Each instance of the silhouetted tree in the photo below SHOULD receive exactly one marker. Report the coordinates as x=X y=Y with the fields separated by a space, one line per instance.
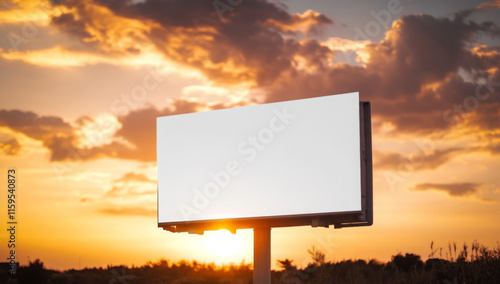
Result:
x=286 y=264
x=34 y=273
x=408 y=262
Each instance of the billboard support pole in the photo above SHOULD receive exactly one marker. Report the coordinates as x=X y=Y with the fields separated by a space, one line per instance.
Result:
x=262 y=255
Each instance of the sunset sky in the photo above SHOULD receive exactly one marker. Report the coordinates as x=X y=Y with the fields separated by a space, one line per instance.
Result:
x=82 y=82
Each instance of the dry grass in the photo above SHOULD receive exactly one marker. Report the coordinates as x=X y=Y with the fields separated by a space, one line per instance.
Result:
x=468 y=264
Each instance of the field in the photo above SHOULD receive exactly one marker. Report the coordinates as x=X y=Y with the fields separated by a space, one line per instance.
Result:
x=465 y=264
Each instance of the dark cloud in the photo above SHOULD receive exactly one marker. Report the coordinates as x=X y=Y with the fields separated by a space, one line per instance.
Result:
x=8 y=5
x=300 y=23
x=69 y=24
x=247 y=45
x=453 y=189
x=419 y=160
x=427 y=73
x=414 y=77
x=83 y=120
x=421 y=69
x=55 y=133
x=420 y=50
x=34 y=126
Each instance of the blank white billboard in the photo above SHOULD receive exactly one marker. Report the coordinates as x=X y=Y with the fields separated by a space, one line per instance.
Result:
x=290 y=158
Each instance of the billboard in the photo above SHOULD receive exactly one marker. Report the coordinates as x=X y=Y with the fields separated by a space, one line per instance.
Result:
x=292 y=163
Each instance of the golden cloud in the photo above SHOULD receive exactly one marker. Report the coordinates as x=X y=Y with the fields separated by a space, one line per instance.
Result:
x=21 y=12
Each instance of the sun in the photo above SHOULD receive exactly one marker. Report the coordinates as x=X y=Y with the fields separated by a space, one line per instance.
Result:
x=222 y=243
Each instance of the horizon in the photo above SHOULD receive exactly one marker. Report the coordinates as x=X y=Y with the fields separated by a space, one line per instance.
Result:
x=482 y=266
x=452 y=253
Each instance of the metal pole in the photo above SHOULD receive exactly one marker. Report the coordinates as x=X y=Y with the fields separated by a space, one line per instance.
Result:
x=262 y=255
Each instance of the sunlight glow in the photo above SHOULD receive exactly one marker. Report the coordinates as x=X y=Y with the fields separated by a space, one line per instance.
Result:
x=222 y=243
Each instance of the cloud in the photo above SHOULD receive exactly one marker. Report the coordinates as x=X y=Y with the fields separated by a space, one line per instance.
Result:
x=307 y=23
x=131 y=194
x=100 y=30
x=420 y=160
x=61 y=56
x=128 y=191
x=134 y=177
x=427 y=73
x=56 y=57
x=453 y=189
x=489 y=5
x=103 y=37
x=259 y=43
x=26 y=11
x=418 y=73
x=477 y=191
x=129 y=211
x=34 y=126
x=249 y=45
x=417 y=78
x=68 y=23
x=55 y=133
x=10 y=147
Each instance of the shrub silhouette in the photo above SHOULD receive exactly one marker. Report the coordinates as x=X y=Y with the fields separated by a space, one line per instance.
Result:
x=408 y=262
x=480 y=265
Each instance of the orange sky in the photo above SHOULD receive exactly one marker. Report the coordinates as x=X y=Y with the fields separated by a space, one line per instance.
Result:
x=82 y=84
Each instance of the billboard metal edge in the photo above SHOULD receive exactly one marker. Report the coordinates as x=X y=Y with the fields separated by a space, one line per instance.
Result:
x=338 y=219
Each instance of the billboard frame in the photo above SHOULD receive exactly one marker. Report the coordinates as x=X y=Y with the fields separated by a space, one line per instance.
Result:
x=337 y=219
